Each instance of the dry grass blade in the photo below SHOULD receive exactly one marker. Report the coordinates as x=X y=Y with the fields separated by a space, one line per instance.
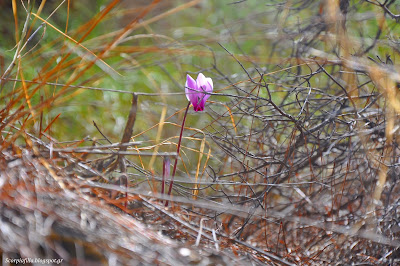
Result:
x=126 y=137
x=196 y=186
x=75 y=42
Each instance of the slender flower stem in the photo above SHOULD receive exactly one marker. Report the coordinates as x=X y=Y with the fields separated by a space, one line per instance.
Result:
x=177 y=154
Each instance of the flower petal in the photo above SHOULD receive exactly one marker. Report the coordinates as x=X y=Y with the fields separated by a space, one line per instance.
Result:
x=203 y=102
x=190 y=89
x=202 y=83
x=204 y=86
x=210 y=82
x=195 y=103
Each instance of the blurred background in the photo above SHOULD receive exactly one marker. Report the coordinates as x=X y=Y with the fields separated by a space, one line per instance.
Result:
x=298 y=143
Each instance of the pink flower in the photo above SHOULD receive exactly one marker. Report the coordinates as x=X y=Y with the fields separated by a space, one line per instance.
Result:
x=197 y=91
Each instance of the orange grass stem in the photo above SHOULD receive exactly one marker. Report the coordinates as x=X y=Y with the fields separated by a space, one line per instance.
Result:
x=177 y=154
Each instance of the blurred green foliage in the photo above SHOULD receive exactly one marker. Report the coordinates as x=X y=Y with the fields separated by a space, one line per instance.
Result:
x=156 y=57
x=189 y=29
